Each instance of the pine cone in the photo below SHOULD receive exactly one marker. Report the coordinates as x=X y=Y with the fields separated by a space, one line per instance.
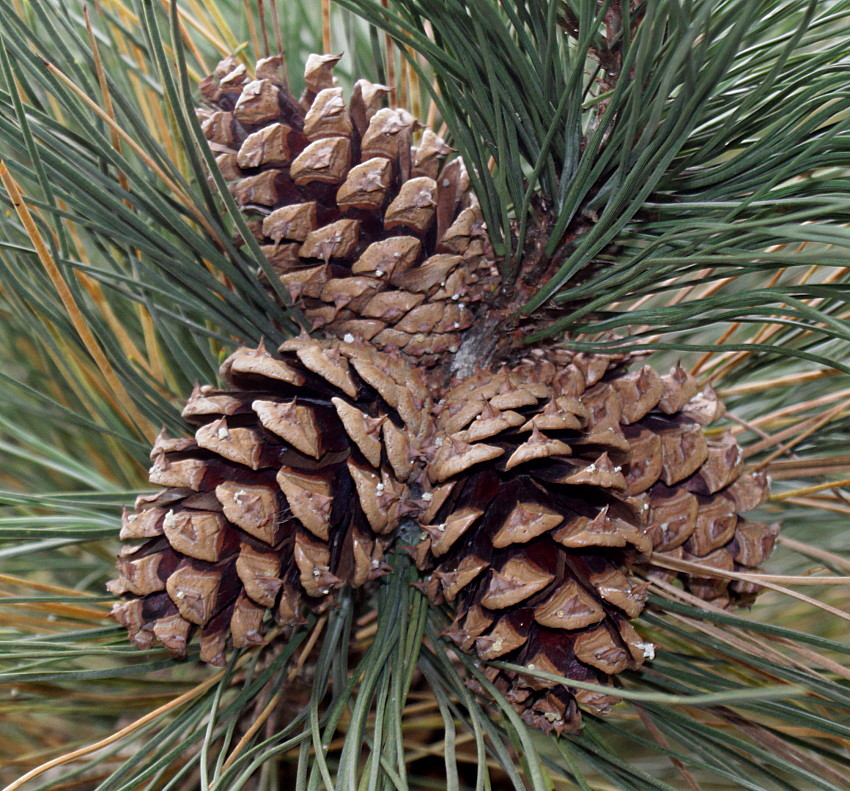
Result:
x=374 y=238
x=292 y=486
x=553 y=481
x=542 y=489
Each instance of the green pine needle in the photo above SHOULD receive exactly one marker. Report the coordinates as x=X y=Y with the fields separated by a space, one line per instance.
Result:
x=691 y=203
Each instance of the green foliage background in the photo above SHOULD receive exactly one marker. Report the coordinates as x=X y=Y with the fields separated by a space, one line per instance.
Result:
x=701 y=175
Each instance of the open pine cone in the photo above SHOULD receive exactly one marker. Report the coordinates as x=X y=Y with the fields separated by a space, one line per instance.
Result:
x=293 y=484
x=373 y=236
x=542 y=485
x=553 y=480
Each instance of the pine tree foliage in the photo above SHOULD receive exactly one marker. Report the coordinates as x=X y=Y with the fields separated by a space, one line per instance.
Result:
x=639 y=145
x=676 y=172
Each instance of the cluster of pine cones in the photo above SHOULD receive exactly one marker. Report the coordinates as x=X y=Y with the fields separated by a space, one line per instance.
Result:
x=541 y=485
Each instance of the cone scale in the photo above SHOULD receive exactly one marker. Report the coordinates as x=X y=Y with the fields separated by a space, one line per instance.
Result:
x=542 y=484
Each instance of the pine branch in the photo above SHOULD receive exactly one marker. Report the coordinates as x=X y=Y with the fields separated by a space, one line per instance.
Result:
x=680 y=165
x=648 y=145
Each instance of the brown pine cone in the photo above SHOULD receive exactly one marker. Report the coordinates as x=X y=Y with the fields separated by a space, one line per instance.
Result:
x=292 y=486
x=543 y=489
x=552 y=481
x=373 y=236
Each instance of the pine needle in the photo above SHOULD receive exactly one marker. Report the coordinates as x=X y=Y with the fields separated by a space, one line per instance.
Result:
x=128 y=730
x=139 y=423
